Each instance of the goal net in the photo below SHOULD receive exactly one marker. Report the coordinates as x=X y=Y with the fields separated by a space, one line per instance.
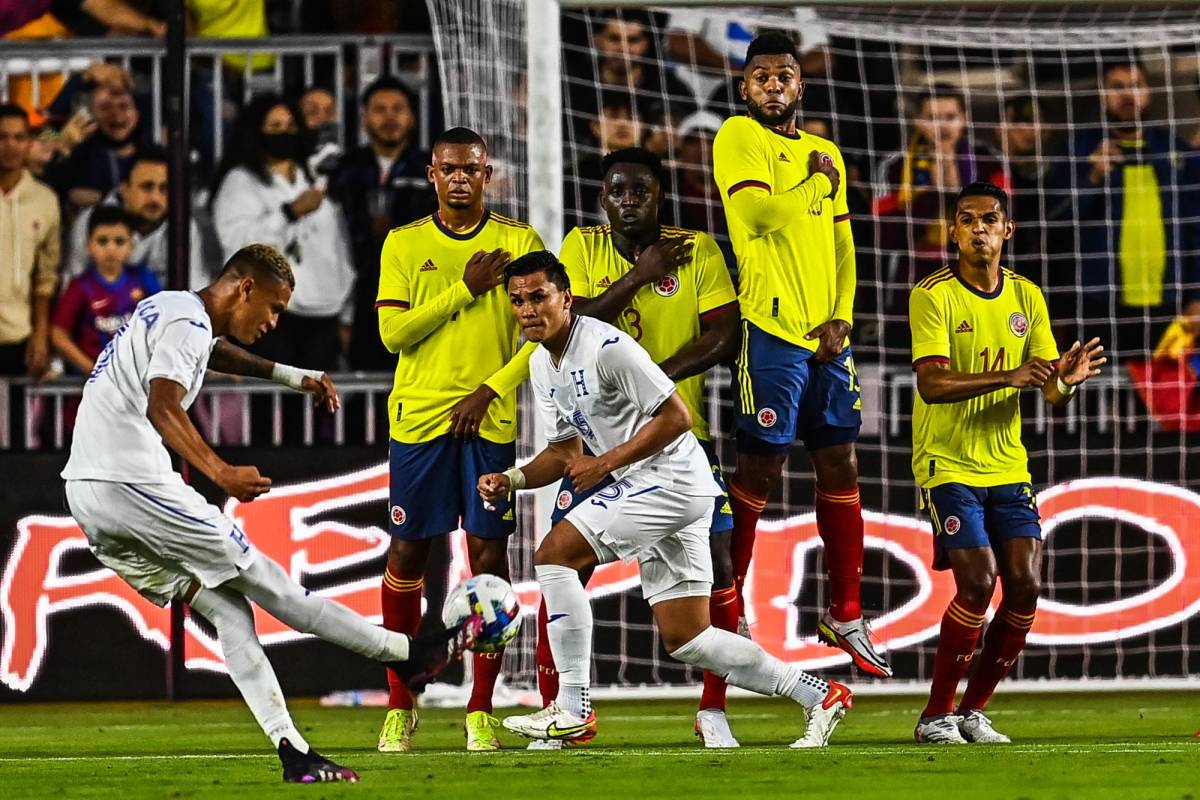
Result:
x=1090 y=115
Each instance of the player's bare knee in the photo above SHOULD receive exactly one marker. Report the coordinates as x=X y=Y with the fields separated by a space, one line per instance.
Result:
x=976 y=588
x=759 y=472
x=722 y=561
x=488 y=556
x=407 y=559
x=836 y=467
x=1022 y=591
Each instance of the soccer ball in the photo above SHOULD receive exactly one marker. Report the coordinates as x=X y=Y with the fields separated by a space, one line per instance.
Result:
x=491 y=598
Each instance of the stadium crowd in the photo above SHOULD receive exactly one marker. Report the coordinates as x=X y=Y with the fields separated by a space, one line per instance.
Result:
x=1106 y=209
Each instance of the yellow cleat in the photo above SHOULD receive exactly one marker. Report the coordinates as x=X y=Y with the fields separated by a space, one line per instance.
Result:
x=481 y=730
x=398 y=728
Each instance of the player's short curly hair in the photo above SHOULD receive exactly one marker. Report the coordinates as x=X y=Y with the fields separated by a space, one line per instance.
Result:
x=256 y=260
x=539 y=261
x=634 y=155
x=772 y=43
x=982 y=189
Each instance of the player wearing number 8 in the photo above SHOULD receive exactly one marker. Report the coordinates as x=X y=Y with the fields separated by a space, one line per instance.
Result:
x=670 y=290
x=980 y=334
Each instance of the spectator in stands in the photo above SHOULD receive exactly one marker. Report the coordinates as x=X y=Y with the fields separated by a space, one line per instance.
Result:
x=143 y=197
x=917 y=187
x=627 y=61
x=232 y=19
x=1025 y=144
x=29 y=252
x=103 y=160
x=708 y=48
x=99 y=301
x=1133 y=190
x=696 y=199
x=379 y=186
x=318 y=107
x=264 y=193
x=616 y=127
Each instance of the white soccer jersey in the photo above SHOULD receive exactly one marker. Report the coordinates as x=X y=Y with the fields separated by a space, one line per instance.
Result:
x=169 y=336
x=606 y=388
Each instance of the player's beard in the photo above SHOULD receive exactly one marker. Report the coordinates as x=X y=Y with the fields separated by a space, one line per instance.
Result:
x=765 y=117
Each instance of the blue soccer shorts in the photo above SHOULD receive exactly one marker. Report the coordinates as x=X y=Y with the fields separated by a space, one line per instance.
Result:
x=722 y=518
x=432 y=488
x=784 y=395
x=970 y=516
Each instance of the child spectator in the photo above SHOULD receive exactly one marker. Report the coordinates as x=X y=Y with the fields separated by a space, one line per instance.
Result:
x=97 y=303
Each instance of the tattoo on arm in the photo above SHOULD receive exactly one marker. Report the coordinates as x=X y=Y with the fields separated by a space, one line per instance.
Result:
x=233 y=360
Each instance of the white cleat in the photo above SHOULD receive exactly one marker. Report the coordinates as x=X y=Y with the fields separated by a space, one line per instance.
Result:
x=942 y=729
x=855 y=638
x=545 y=744
x=977 y=728
x=553 y=722
x=825 y=716
x=744 y=628
x=713 y=729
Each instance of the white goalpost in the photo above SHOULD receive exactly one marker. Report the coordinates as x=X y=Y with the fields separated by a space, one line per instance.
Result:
x=552 y=84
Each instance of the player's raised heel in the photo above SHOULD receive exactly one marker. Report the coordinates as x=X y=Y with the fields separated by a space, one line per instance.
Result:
x=553 y=723
x=311 y=767
x=431 y=651
x=825 y=716
x=976 y=728
x=398 y=728
x=713 y=729
x=855 y=638
x=481 y=728
x=942 y=729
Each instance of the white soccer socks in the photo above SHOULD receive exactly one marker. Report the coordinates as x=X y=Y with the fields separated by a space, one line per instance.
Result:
x=569 y=615
x=267 y=584
x=746 y=665
x=231 y=615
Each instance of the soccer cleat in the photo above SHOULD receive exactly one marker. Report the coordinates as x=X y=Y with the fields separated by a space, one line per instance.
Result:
x=942 y=729
x=398 y=728
x=481 y=728
x=553 y=722
x=977 y=728
x=545 y=744
x=744 y=628
x=855 y=638
x=713 y=729
x=431 y=651
x=825 y=716
x=311 y=767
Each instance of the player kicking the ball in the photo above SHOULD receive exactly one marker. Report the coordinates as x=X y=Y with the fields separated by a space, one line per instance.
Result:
x=593 y=384
x=980 y=335
x=165 y=540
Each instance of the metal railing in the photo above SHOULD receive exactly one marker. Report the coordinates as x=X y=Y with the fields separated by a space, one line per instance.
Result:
x=46 y=405
x=408 y=57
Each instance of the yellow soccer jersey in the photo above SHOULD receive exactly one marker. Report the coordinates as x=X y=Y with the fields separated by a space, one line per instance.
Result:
x=794 y=271
x=449 y=341
x=663 y=317
x=976 y=441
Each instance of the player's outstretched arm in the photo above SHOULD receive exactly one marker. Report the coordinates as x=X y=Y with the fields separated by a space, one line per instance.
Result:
x=233 y=360
x=720 y=334
x=1080 y=362
x=671 y=420
x=544 y=469
x=937 y=383
x=166 y=414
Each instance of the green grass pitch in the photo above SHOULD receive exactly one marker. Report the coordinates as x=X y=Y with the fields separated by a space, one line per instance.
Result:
x=1087 y=746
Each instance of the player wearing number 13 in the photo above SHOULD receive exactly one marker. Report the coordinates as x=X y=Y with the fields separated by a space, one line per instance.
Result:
x=980 y=334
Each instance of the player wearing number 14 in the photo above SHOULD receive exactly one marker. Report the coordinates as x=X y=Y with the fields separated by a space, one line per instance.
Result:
x=980 y=334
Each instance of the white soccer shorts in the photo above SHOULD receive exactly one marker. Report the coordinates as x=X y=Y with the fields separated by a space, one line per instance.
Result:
x=159 y=537
x=665 y=531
